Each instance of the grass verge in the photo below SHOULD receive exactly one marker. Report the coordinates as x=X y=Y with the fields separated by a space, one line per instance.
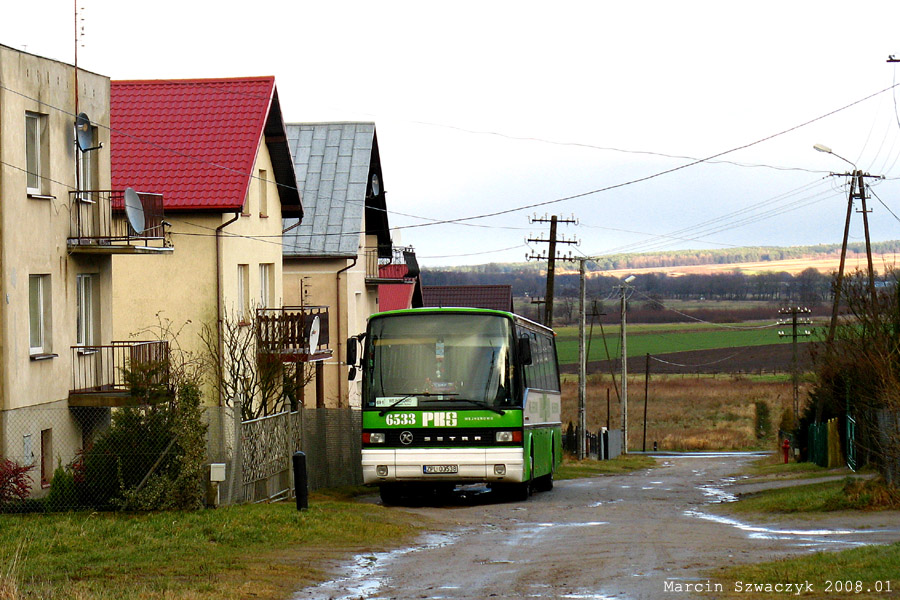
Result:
x=572 y=468
x=846 y=494
x=865 y=573
x=260 y=551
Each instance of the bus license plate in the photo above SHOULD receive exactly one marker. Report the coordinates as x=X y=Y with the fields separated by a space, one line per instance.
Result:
x=438 y=469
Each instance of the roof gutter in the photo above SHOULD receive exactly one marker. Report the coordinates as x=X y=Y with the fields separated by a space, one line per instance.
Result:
x=340 y=338
x=220 y=304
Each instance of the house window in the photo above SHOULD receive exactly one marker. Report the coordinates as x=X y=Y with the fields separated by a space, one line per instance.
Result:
x=263 y=193
x=34 y=152
x=84 y=301
x=46 y=456
x=243 y=293
x=87 y=165
x=265 y=284
x=39 y=313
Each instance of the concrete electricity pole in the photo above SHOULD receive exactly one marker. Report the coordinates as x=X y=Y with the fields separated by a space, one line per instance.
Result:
x=551 y=259
x=624 y=287
x=582 y=360
x=795 y=333
x=857 y=192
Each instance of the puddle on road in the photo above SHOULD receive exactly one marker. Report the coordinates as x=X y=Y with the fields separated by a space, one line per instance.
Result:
x=364 y=579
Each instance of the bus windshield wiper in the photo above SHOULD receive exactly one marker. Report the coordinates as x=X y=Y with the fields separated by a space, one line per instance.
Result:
x=387 y=409
x=482 y=404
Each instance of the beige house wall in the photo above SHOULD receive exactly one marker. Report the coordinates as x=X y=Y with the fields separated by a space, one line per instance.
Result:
x=183 y=289
x=350 y=301
x=33 y=232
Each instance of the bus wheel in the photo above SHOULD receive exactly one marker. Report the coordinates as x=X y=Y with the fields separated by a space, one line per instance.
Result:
x=544 y=483
x=390 y=493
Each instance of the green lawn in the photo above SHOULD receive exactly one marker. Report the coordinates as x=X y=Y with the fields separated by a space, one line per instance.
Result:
x=664 y=339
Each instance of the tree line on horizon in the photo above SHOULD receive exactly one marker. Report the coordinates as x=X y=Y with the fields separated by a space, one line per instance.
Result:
x=686 y=258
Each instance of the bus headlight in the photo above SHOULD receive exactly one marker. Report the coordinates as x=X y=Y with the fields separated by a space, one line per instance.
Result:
x=381 y=470
x=373 y=438
x=499 y=469
x=507 y=437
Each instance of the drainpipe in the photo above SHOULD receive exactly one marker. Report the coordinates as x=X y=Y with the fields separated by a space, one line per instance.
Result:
x=220 y=308
x=340 y=339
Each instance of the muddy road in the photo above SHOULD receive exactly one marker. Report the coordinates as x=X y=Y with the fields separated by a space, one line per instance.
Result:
x=620 y=537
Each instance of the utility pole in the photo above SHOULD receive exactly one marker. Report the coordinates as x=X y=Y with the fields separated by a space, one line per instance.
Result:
x=795 y=311
x=646 y=398
x=582 y=361
x=551 y=258
x=623 y=288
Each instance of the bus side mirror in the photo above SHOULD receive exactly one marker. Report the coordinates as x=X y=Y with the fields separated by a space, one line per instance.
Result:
x=351 y=351
x=525 y=351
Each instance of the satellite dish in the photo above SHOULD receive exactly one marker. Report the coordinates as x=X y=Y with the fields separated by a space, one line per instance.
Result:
x=134 y=210
x=84 y=134
x=376 y=185
x=314 y=330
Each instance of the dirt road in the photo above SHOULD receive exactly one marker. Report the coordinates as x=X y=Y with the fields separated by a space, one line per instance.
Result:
x=624 y=537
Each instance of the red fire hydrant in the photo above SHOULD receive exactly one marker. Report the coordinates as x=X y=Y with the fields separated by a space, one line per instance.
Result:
x=786 y=447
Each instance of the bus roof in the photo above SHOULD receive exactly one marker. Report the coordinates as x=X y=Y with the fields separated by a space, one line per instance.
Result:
x=463 y=309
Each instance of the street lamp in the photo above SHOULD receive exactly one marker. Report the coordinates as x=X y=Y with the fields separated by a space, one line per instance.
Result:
x=623 y=287
x=827 y=150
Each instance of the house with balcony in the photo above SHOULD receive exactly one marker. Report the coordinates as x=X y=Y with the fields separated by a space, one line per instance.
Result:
x=337 y=256
x=62 y=224
x=217 y=150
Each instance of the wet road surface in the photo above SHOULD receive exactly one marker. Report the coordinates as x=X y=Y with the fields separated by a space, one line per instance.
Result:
x=620 y=537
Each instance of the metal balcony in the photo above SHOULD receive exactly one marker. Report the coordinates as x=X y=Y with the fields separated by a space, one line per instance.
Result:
x=390 y=265
x=98 y=224
x=120 y=374
x=286 y=333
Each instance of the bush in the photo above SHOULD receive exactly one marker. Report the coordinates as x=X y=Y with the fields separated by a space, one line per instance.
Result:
x=763 y=420
x=63 y=494
x=15 y=482
x=150 y=458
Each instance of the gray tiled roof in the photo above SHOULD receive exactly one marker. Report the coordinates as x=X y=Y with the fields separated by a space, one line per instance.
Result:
x=331 y=161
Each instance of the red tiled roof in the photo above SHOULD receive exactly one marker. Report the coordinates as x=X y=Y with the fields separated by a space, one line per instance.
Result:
x=496 y=297
x=395 y=296
x=194 y=141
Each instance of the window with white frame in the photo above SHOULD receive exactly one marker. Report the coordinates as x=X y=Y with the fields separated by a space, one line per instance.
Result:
x=263 y=193
x=39 y=313
x=266 y=282
x=84 y=290
x=243 y=293
x=34 y=152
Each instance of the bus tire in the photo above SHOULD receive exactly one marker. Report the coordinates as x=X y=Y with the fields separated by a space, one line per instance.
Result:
x=544 y=483
x=390 y=493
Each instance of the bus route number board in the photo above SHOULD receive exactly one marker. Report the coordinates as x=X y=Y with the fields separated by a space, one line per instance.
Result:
x=440 y=469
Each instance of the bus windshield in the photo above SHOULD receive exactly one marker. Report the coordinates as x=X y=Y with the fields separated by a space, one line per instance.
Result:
x=439 y=358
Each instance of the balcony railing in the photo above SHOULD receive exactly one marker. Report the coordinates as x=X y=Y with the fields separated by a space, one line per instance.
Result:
x=400 y=263
x=120 y=373
x=99 y=224
x=287 y=332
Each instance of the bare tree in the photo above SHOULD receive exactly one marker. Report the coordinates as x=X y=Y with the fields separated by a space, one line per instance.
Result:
x=239 y=365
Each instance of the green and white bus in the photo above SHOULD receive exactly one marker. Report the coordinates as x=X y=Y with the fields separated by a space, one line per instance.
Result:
x=457 y=396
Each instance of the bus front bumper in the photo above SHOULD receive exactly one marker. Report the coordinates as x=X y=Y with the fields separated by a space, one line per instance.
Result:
x=461 y=465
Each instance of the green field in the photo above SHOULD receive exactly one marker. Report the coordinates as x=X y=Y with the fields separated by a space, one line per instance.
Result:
x=665 y=338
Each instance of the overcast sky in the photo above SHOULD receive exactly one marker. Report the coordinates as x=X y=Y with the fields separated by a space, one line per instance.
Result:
x=485 y=107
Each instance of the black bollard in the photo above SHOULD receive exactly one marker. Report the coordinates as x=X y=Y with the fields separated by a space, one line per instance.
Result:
x=301 y=487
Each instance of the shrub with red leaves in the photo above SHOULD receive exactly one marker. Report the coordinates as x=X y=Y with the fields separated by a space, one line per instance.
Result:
x=15 y=482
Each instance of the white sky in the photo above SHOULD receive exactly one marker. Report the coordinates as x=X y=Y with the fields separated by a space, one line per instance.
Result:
x=686 y=79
